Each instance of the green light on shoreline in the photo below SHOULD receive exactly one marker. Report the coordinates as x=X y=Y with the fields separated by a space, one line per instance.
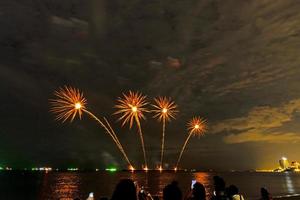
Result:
x=111 y=169
x=1 y=168
x=72 y=169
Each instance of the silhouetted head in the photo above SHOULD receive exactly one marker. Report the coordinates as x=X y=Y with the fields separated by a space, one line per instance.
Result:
x=232 y=190
x=172 y=192
x=264 y=193
x=199 y=191
x=219 y=184
x=125 y=190
x=156 y=198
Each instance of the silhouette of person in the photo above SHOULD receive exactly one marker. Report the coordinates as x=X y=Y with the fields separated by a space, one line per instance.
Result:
x=197 y=192
x=219 y=185
x=125 y=190
x=265 y=195
x=156 y=198
x=233 y=193
x=172 y=192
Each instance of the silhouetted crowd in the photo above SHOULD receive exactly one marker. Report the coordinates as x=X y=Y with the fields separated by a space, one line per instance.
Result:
x=127 y=189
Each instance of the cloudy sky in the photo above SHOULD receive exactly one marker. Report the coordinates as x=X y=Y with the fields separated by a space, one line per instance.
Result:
x=235 y=63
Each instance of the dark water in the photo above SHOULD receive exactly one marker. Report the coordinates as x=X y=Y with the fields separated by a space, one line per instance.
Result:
x=69 y=185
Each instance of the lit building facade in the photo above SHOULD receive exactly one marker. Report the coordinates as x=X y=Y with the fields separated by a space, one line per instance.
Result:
x=284 y=163
x=295 y=165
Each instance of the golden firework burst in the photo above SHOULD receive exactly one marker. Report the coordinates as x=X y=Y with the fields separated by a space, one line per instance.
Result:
x=164 y=109
x=197 y=126
x=131 y=107
x=69 y=103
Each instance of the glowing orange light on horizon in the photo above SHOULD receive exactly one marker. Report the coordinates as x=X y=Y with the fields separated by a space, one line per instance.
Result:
x=68 y=103
x=131 y=168
x=146 y=168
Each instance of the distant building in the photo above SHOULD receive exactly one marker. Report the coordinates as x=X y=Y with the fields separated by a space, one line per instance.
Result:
x=284 y=163
x=285 y=166
x=295 y=165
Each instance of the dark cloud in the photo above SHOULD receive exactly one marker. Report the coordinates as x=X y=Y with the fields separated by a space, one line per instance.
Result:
x=263 y=124
x=235 y=63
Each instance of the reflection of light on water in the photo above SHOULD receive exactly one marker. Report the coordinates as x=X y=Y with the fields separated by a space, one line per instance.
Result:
x=66 y=186
x=289 y=184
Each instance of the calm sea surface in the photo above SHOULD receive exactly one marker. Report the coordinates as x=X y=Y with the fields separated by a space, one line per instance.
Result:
x=69 y=185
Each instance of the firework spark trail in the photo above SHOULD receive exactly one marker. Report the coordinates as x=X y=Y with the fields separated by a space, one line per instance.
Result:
x=196 y=126
x=142 y=140
x=164 y=110
x=69 y=102
x=183 y=148
x=112 y=131
x=111 y=134
x=131 y=107
x=119 y=143
x=162 y=143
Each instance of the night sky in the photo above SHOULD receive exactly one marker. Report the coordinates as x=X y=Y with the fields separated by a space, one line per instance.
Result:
x=235 y=63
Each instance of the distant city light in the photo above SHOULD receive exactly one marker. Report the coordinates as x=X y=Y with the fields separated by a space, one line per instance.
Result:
x=146 y=169
x=41 y=169
x=72 y=169
x=112 y=169
x=1 y=168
